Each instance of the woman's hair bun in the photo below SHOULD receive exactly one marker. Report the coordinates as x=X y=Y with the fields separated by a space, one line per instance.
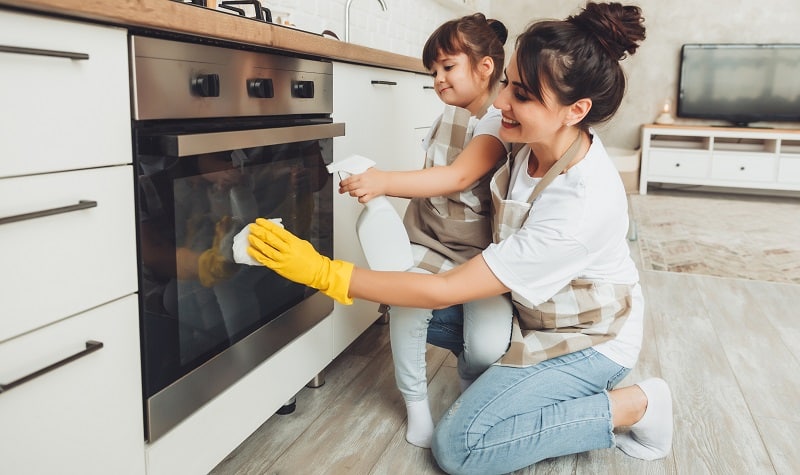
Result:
x=499 y=29
x=618 y=28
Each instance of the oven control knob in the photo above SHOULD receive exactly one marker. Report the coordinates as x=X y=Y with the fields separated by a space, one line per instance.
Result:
x=303 y=89
x=261 y=88
x=206 y=85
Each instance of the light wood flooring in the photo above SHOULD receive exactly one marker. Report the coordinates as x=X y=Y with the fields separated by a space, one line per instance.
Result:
x=729 y=348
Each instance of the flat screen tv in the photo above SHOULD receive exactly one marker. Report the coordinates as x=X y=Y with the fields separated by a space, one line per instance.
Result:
x=740 y=83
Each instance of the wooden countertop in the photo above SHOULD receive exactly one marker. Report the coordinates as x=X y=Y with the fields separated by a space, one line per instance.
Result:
x=168 y=15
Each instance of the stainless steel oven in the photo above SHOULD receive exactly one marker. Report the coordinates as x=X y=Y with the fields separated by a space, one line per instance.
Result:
x=222 y=135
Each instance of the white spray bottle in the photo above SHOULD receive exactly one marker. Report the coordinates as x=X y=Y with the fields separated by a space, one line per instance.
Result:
x=380 y=229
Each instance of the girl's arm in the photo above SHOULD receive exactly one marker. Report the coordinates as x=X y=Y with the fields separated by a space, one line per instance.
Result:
x=477 y=159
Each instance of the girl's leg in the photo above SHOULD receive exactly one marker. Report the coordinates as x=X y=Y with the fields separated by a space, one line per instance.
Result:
x=408 y=329
x=487 y=333
x=514 y=417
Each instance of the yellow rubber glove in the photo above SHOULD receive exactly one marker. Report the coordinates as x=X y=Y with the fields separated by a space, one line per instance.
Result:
x=213 y=267
x=297 y=260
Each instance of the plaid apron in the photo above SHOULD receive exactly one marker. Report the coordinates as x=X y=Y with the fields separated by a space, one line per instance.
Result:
x=450 y=229
x=582 y=314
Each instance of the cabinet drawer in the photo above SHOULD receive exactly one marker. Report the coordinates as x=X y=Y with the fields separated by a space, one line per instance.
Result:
x=84 y=416
x=62 y=113
x=789 y=169
x=742 y=167
x=62 y=264
x=679 y=164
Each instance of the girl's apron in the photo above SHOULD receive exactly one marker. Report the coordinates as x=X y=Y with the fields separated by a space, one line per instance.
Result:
x=582 y=314
x=455 y=227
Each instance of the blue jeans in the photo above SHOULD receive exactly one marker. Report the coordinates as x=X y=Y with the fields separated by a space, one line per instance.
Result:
x=510 y=418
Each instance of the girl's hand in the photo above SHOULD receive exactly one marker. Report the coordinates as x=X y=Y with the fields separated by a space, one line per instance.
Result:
x=367 y=185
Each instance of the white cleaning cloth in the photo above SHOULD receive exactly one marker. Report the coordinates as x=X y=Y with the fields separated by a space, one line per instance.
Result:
x=240 y=245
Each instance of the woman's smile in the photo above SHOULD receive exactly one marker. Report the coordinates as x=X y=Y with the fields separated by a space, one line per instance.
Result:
x=509 y=123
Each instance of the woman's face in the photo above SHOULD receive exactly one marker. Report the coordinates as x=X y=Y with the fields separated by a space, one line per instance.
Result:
x=455 y=81
x=526 y=119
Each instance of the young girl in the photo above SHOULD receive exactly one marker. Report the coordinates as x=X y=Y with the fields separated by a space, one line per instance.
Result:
x=560 y=225
x=465 y=57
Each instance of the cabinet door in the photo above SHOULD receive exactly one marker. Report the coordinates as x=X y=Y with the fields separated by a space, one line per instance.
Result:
x=73 y=259
x=84 y=416
x=62 y=112
x=679 y=164
x=380 y=109
x=744 y=168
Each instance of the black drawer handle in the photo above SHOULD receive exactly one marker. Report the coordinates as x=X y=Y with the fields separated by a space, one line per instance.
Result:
x=82 y=204
x=42 y=52
x=428 y=87
x=385 y=83
x=91 y=347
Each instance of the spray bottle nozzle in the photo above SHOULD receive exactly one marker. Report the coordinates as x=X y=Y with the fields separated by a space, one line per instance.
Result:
x=352 y=165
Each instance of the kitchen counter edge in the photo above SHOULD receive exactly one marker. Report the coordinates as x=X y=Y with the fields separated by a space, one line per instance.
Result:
x=171 y=16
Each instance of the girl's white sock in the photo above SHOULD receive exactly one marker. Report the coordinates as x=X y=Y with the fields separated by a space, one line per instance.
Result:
x=651 y=437
x=420 y=423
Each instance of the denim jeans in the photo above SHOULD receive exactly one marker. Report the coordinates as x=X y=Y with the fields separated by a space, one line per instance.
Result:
x=511 y=418
x=481 y=341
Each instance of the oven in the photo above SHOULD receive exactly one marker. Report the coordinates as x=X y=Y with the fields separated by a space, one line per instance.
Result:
x=222 y=135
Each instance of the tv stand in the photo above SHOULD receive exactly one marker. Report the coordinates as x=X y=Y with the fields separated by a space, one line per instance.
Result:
x=730 y=157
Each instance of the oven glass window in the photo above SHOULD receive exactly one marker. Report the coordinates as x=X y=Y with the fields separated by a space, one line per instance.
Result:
x=196 y=300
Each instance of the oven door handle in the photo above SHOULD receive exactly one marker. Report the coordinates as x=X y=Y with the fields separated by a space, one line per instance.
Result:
x=195 y=144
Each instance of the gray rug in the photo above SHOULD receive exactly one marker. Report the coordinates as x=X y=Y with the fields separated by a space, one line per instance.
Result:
x=725 y=235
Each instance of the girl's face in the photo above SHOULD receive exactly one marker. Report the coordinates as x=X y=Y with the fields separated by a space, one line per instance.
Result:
x=457 y=83
x=526 y=119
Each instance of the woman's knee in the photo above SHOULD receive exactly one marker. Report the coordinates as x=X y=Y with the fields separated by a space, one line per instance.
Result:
x=448 y=446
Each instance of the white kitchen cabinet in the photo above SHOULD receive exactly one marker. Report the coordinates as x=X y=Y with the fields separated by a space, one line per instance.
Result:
x=756 y=159
x=70 y=377
x=386 y=114
x=64 y=93
x=62 y=264
x=81 y=417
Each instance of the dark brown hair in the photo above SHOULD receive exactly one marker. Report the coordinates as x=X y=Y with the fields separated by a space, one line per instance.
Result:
x=472 y=35
x=579 y=57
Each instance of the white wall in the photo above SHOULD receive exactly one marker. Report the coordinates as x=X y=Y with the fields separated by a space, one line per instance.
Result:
x=402 y=29
x=653 y=71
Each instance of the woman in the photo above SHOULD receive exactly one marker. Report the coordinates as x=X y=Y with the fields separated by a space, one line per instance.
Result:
x=565 y=260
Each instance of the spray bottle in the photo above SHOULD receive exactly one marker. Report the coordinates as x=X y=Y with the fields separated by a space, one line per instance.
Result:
x=380 y=229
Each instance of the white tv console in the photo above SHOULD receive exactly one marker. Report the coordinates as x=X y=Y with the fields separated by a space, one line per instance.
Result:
x=759 y=159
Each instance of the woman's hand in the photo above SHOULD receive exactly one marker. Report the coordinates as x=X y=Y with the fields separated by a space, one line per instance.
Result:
x=366 y=186
x=296 y=259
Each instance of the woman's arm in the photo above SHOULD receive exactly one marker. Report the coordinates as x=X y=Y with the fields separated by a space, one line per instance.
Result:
x=470 y=281
x=477 y=159
x=298 y=261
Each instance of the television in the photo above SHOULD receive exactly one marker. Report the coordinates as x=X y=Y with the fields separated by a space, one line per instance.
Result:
x=740 y=83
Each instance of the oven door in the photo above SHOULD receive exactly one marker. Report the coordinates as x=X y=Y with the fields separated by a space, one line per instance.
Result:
x=206 y=321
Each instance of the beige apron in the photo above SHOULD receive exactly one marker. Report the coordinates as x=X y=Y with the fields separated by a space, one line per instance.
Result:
x=582 y=314
x=456 y=227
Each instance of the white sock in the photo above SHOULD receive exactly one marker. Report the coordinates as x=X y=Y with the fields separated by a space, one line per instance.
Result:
x=420 y=423
x=651 y=437
x=465 y=383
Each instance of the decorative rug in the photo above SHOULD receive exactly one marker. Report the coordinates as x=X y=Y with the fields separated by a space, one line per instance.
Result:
x=725 y=235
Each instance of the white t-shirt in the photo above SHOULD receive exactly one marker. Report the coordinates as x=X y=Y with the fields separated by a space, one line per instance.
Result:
x=576 y=229
x=489 y=124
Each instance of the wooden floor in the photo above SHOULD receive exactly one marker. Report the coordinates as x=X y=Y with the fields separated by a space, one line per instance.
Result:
x=729 y=348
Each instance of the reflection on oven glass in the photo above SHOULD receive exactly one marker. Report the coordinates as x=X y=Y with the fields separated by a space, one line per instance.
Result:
x=197 y=300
